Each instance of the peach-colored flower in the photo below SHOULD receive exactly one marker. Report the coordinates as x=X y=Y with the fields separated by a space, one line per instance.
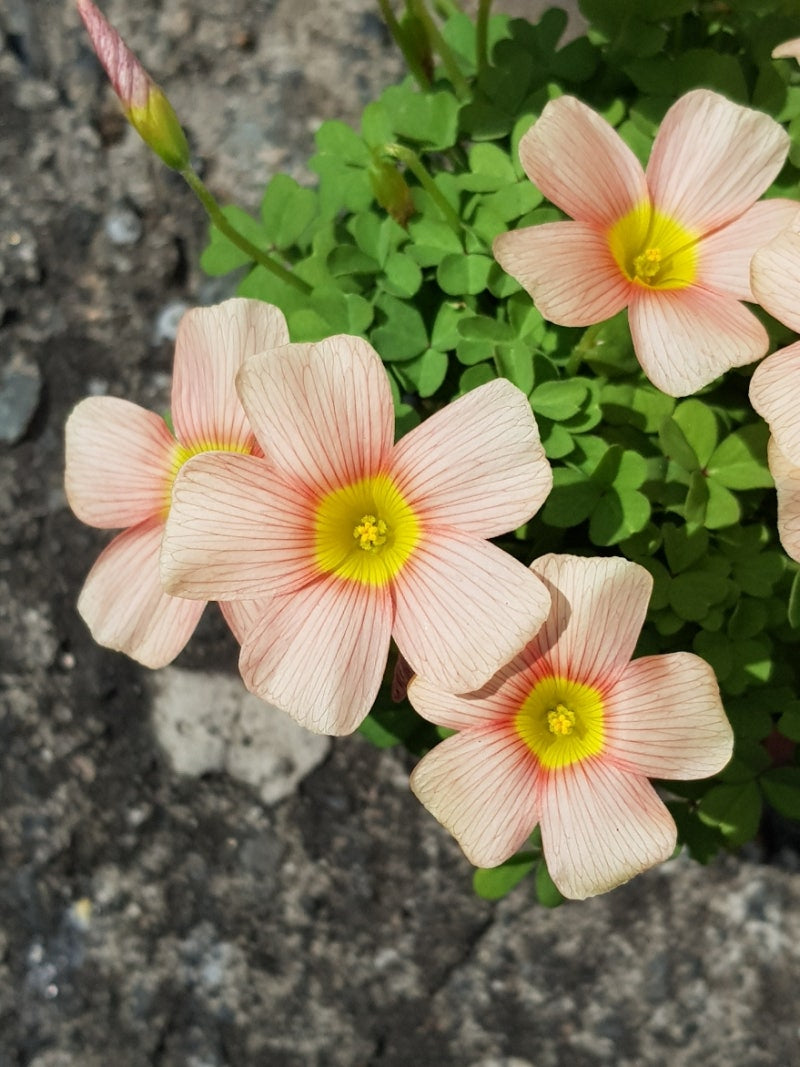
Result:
x=787 y=50
x=672 y=245
x=567 y=734
x=121 y=461
x=145 y=105
x=357 y=538
x=775 y=385
x=787 y=485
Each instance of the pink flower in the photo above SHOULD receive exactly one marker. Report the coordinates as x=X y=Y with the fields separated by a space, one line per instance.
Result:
x=145 y=106
x=787 y=50
x=775 y=277
x=355 y=538
x=672 y=245
x=787 y=484
x=121 y=461
x=567 y=734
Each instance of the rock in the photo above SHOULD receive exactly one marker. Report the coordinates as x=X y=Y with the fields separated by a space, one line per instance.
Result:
x=166 y=324
x=20 y=386
x=123 y=226
x=209 y=722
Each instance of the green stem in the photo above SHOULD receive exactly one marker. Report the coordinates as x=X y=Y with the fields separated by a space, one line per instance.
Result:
x=411 y=160
x=396 y=30
x=447 y=8
x=482 y=36
x=459 y=82
x=215 y=213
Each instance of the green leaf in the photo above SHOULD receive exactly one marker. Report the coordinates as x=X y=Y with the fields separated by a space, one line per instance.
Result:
x=493 y=883
x=693 y=593
x=460 y=275
x=722 y=508
x=617 y=516
x=683 y=547
x=425 y=373
x=547 y=892
x=676 y=447
x=781 y=786
x=559 y=399
x=427 y=118
x=702 y=841
x=699 y=425
x=789 y=722
x=740 y=461
x=493 y=165
x=402 y=275
x=347 y=259
x=716 y=649
x=734 y=808
x=220 y=256
x=793 y=610
x=402 y=334
x=287 y=209
x=572 y=498
x=331 y=311
x=342 y=141
x=513 y=201
x=476 y=376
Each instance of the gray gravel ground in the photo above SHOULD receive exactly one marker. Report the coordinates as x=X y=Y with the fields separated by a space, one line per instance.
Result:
x=168 y=898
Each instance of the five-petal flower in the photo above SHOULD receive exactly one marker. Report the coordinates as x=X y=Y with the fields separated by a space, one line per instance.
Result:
x=355 y=538
x=673 y=245
x=567 y=734
x=121 y=461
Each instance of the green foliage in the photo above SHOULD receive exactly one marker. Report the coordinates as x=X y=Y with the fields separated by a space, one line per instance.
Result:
x=395 y=241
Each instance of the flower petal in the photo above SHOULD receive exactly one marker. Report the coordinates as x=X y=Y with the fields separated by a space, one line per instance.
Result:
x=124 y=605
x=322 y=412
x=665 y=719
x=211 y=345
x=464 y=608
x=712 y=159
x=581 y=163
x=567 y=268
x=319 y=653
x=496 y=702
x=598 y=606
x=242 y=616
x=119 y=462
x=600 y=827
x=787 y=50
x=727 y=254
x=774 y=389
x=686 y=338
x=477 y=463
x=480 y=785
x=775 y=278
x=787 y=483
x=235 y=531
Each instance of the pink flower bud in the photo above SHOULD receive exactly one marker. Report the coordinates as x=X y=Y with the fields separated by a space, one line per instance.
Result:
x=144 y=104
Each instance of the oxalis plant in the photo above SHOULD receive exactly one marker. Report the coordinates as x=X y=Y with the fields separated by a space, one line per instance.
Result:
x=482 y=460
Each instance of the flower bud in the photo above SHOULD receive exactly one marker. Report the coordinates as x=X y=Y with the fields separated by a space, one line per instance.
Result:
x=145 y=105
x=391 y=190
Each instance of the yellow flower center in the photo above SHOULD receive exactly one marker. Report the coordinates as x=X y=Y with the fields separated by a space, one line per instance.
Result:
x=365 y=532
x=652 y=249
x=561 y=721
x=371 y=533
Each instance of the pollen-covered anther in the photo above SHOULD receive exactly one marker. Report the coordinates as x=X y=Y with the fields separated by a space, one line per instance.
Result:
x=647 y=264
x=370 y=532
x=561 y=720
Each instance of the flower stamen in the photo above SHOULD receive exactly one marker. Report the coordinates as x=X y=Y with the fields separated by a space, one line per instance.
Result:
x=371 y=533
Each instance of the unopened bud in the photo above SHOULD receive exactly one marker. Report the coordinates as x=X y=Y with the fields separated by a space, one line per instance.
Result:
x=391 y=190
x=145 y=105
